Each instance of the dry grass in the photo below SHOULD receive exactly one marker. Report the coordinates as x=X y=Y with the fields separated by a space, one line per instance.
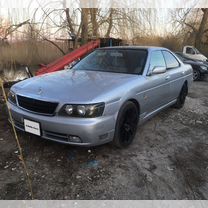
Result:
x=29 y=53
x=174 y=43
x=171 y=42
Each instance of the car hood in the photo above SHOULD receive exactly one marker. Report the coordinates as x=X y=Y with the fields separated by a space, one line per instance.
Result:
x=199 y=57
x=72 y=86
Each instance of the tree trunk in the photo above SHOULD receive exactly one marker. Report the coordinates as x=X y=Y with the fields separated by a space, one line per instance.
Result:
x=69 y=21
x=200 y=32
x=84 y=25
x=110 y=24
x=93 y=15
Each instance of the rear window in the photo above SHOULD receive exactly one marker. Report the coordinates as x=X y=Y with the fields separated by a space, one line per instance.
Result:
x=130 y=61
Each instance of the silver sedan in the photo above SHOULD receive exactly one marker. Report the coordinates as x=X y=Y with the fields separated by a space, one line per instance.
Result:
x=103 y=97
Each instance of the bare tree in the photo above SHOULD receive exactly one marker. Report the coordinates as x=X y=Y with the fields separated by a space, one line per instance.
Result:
x=84 y=25
x=194 y=24
x=202 y=29
x=94 y=22
x=110 y=23
x=12 y=28
x=69 y=21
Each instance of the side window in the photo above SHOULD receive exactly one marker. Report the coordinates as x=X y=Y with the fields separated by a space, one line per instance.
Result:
x=157 y=59
x=190 y=50
x=170 y=60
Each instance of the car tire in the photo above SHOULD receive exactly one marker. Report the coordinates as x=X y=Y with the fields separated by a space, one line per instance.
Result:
x=196 y=75
x=182 y=97
x=126 y=125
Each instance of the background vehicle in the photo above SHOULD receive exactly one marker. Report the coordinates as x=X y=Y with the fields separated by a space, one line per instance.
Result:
x=103 y=97
x=200 y=68
x=193 y=53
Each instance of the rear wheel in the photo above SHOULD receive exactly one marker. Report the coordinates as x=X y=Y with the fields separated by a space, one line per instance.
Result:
x=196 y=75
x=126 y=125
x=182 y=97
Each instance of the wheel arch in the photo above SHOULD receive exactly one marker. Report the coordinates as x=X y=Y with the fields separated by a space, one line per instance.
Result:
x=196 y=67
x=136 y=104
x=185 y=83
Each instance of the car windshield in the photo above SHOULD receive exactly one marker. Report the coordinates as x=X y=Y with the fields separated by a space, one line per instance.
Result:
x=197 y=52
x=129 y=61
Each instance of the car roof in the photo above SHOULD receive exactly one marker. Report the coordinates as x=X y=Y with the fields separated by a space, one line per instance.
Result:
x=150 y=48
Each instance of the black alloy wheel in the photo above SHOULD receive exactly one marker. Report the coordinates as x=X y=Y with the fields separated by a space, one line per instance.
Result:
x=126 y=125
x=182 y=96
x=196 y=75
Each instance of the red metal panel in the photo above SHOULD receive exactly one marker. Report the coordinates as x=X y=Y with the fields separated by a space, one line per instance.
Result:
x=69 y=58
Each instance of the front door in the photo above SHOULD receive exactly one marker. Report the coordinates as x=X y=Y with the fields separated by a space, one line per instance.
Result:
x=157 y=85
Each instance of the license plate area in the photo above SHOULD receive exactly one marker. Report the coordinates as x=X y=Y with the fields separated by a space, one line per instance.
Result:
x=32 y=127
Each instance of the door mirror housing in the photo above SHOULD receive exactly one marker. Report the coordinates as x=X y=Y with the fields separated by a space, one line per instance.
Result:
x=158 y=70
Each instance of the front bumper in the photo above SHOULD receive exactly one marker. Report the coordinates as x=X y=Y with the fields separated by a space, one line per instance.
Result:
x=91 y=131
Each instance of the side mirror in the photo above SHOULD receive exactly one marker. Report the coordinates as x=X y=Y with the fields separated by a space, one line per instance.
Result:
x=158 y=70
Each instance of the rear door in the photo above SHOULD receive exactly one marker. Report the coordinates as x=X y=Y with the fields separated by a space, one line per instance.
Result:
x=175 y=74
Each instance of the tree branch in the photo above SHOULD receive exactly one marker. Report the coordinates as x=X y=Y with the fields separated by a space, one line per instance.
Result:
x=14 y=27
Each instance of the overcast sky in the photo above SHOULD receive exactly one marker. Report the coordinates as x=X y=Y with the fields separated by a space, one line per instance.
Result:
x=9 y=8
x=105 y=3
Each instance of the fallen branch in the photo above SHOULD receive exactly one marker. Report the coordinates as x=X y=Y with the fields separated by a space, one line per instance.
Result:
x=21 y=158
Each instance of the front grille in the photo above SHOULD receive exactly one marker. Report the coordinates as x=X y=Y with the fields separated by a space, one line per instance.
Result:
x=37 y=106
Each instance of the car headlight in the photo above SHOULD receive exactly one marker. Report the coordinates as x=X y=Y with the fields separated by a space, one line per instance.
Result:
x=69 y=109
x=86 y=111
x=203 y=67
x=12 y=97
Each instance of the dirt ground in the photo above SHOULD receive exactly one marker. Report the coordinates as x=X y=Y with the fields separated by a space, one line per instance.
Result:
x=168 y=160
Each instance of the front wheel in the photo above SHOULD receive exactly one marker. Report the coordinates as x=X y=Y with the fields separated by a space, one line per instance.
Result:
x=182 y=97
x=126 y=125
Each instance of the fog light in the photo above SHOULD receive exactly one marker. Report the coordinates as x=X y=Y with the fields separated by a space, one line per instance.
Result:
x=74 y=139
x=104 y=136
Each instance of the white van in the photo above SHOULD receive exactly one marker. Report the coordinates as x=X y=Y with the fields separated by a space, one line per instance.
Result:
x=193 y=53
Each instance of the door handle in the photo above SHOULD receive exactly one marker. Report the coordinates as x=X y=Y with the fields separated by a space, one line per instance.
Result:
x=167 y=78
x=183 y=72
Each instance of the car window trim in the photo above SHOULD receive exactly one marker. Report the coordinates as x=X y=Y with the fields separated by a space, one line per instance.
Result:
x=179 y=65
